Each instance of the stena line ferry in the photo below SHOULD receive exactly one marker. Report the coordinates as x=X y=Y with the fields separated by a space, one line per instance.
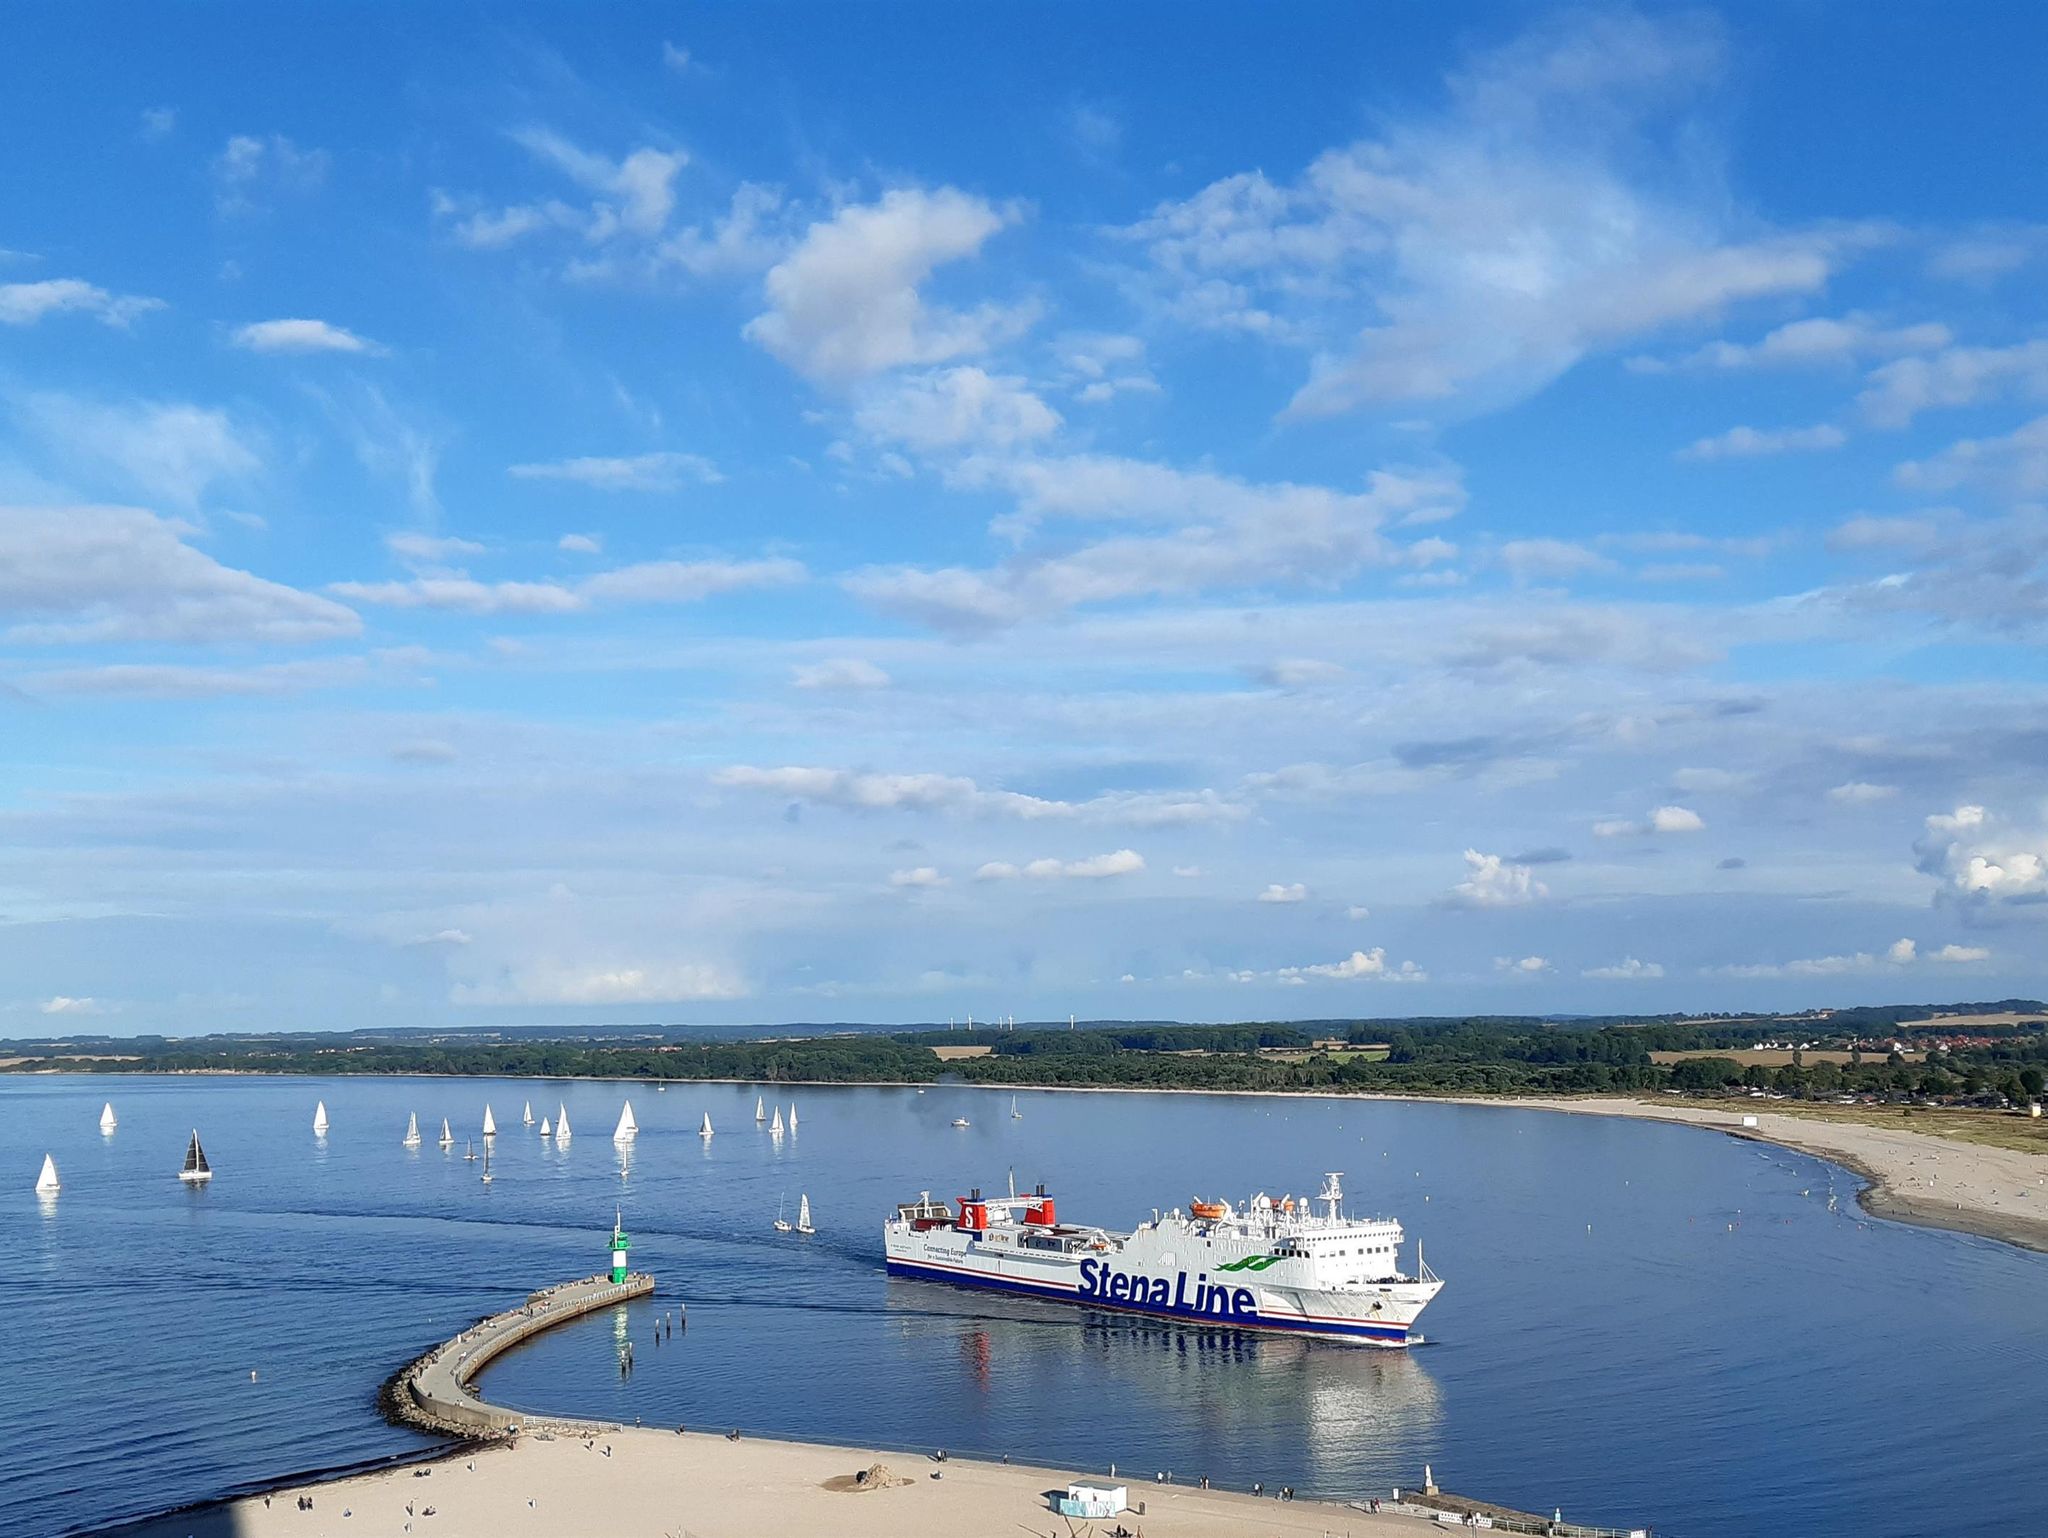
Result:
x=1272 y=1264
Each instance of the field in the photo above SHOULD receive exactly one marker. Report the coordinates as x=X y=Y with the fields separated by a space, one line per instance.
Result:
x=953 y=1054
x=1959 y=1022
x=1774 y=1058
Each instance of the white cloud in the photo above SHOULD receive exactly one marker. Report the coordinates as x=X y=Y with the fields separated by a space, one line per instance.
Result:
x=1356 y=911
x=1866 y=532
x=839 y=673
x=1861 y=793
x=1550 y=559
x=1292 y=892
x=921 y=876
x=864 y=792
x=78 y=574
x=649 y=582
x=1359 y=966
x=954 y=408
x=169 y=450
x=1525 y=966
x=1123 y=862
x=1625 y=970
x=580 y=544
x=250 y=168
x=845 y=303
x=64 y=1004
x=412 y=545
x=1298 y=673
x=301 y=336
x=1954 y=377
x=1819 y=341
x=23 y=304
x=1809 y=966
x=1982 y=860
x=666 y=471
x=1663 y=819
x=2015 y=464
x=1187 y=872
x=1756 y=442
x=1477 y=255
x=1902 y=952
x=175 y=681
x=1962 y=953
x=1493 y=882
x=745 y=238
x=636 y=193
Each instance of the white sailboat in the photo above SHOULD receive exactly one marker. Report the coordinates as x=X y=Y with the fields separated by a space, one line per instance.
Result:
x=959 y=1121
x=447 y=1137
x=803 y=1215
x=320 y=1118
x=705 y=1130
x=792 y=1116
x=469 y=1150
x=108 y=1121
x=46 y=1183
x=490 y=1123
x=526 y=1115
x=487 y=1161
x=561 y=1125
x=781 y=1222
x=196 y=1171
x=1015 y=1114
x=775 y=1127
x=760 y=1108
x=546 y=1130
x=627 y=1129
x=412 y=1130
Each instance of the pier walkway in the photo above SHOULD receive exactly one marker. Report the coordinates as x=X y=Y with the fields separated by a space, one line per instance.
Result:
x=433 y=1392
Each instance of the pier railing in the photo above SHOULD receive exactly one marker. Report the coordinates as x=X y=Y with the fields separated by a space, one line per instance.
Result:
x=1500 y=1521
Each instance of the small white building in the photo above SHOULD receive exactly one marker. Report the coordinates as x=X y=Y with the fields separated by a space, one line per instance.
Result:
x=1095 y=1500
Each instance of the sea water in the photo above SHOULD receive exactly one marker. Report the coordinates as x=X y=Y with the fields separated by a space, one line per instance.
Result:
x=1640 y=1322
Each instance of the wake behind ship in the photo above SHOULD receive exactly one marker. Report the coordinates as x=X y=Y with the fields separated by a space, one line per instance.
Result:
x=1273 y=1264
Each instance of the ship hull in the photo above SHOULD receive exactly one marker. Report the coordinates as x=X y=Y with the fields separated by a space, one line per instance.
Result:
x=1285 y=1313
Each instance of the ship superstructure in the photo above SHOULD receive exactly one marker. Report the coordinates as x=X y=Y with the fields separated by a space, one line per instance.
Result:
x=1272 y=1263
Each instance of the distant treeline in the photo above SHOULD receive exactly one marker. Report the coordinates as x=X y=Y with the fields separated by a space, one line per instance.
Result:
x=1480 y=1055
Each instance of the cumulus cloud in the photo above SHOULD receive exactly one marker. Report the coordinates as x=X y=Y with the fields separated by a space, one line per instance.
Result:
x=648 y=582
x=920 y=876
x=1476 y=254
x=665 y=471
x=65 y=1004
x=23 y=304
x=1756 y=442
x=1807 y=966
x=2015 y=464
x=1359 y=966
x=1493 y=882
x=580 y=544
x=1291 y=892
x=953 y=408
x=1901 y=953
x=846 y=304
x=1962 y=953
x=839 y=673
x=1123 y=862
x=1627 y=969
x=1953 y=378
x=1525 y=966
x=1981 y=860
x=301 y=336
x=1663 y=819
x=79 y=574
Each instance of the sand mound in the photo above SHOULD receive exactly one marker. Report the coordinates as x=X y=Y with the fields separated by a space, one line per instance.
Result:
x=874 y=1477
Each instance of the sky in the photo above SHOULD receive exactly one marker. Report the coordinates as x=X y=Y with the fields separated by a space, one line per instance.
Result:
x=767 y=513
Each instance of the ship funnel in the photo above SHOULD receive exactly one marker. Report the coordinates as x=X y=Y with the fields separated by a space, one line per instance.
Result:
x=974 y=1195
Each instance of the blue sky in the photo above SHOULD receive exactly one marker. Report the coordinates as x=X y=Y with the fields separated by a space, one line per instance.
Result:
x=824 y=512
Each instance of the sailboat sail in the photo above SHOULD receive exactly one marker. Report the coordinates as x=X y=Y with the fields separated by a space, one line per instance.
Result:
x=412 y=1130
x=627 y=1128
x=776 y=1126
x=490 y=1123
x=108 y=1121
x=447 y=1137
x=47 y=1181
x=803 y=1215
x=561 y=1124
x=1015 y=1114
x=705 y=1130
x=792 y=1116
x=546 y=1130
x=319 y=1116
x=760 y=1108
x=196 y=1168
x=526 y=1114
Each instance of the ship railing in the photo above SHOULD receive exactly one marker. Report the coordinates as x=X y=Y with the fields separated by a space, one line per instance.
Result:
x=1502 y=1522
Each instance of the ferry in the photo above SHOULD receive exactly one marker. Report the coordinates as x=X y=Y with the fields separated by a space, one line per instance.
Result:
x=1273 y=1263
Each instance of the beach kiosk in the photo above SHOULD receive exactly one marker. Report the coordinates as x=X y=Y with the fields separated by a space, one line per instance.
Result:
x=1094 y=1501
x=619 y=1244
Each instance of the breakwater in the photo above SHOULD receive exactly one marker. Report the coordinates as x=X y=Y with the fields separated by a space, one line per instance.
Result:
x=433 y=1392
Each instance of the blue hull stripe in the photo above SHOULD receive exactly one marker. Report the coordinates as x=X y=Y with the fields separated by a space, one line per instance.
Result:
x=1391 y=1334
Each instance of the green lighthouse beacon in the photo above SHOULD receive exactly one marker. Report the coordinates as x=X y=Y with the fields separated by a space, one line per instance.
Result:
x=619 y=1244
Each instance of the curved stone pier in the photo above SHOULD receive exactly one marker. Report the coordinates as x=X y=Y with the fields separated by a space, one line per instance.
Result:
x=433 y=1392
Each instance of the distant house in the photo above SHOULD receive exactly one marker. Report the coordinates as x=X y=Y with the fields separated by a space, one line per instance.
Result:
x=1095 y=1501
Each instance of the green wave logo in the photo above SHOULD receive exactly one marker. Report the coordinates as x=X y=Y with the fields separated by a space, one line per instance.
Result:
x=1251 y=1263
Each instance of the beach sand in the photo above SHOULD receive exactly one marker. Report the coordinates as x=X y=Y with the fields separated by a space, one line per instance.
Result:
x=658 y=1484
x=1999 y=1193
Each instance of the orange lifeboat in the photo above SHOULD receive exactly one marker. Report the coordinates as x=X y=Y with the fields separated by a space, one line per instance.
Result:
x=1209 y=1210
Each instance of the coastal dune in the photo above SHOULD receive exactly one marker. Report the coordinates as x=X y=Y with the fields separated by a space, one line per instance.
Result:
x=633 y=1483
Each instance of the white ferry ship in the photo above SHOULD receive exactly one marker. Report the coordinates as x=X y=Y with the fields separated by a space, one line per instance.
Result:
x=1272 y=1264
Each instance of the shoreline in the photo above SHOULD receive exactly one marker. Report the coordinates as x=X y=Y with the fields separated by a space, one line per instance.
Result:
x=1991 y=1192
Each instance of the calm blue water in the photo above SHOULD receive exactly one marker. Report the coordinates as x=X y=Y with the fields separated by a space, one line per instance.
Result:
x=1642 y=1322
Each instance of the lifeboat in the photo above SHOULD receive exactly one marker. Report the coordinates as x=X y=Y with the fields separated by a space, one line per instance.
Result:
x=1209 y=1210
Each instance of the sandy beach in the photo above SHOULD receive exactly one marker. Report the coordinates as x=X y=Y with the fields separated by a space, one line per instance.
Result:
x=658 y=1484
x=1999 y=1193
